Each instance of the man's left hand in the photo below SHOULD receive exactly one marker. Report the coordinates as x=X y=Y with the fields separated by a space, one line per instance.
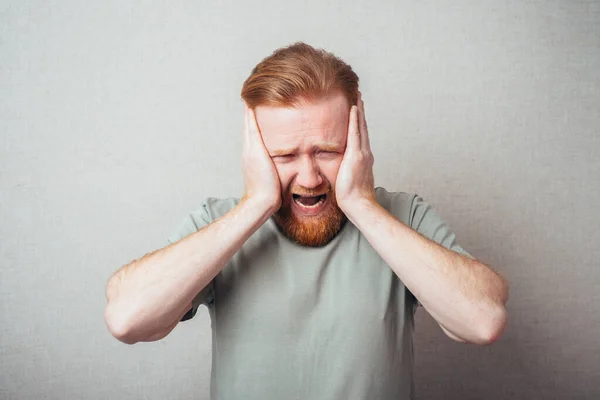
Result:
x=355 y=183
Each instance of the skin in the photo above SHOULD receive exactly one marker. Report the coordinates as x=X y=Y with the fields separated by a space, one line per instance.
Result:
x=148 y=296
x=306 y=145
x=466 y=297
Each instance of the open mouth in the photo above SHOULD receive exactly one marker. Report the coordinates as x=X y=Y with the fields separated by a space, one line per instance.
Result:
x=309 y=201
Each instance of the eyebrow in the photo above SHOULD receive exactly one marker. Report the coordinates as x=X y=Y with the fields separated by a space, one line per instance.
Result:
x=282 y=152
x=323 y=146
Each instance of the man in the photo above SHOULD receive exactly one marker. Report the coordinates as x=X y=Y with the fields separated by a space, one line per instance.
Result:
x=313 y=276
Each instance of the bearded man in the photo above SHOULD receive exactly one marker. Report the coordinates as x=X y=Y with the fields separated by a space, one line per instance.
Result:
x=312 y=278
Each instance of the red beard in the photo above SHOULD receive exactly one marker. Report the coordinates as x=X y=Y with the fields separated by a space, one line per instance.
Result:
x=314 y=230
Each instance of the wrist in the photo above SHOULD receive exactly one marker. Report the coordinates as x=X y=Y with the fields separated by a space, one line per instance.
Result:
x=361 y=210
x=260 y=209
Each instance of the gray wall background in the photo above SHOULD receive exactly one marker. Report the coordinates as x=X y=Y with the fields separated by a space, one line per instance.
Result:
x=118 y=118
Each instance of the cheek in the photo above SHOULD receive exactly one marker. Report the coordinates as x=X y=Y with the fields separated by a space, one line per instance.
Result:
x=285 y=176
x=330 y=170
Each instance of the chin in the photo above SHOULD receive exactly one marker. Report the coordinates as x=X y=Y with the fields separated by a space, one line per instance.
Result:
x=314 y=225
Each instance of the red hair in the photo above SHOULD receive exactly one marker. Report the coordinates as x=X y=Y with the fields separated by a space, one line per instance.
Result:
x=299 y=73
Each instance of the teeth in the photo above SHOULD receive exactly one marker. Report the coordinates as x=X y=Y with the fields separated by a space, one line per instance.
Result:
x=317 y=204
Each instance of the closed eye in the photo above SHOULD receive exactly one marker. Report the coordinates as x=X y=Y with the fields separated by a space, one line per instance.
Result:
x=283 y=157
x=326 y=153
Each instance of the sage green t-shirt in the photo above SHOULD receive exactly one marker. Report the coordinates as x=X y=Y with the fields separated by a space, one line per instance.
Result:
x=329 y=323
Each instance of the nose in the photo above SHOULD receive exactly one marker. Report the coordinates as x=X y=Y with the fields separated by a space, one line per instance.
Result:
x=309 y=175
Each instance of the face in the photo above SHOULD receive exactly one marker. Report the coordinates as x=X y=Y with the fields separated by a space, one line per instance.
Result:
x=307 y=144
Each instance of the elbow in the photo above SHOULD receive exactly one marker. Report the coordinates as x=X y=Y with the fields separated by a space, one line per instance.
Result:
x=493 y=327
x=496 y=319
x=118 y=325
x=117 y=315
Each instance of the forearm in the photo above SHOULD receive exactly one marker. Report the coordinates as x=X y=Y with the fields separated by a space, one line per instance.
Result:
x=149 y=295
x=463 y=295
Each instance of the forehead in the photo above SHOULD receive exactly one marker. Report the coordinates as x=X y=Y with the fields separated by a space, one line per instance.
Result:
x=306 y=125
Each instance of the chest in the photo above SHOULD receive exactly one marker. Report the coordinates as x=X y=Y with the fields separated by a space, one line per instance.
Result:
x=270 y=292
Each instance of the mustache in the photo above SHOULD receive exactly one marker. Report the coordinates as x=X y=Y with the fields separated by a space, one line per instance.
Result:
x=301 y=191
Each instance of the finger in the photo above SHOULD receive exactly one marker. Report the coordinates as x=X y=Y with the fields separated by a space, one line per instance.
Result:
x=252 y=124
x=246 y=133
x=362 y=123
x=253 y=130
x=353 y=141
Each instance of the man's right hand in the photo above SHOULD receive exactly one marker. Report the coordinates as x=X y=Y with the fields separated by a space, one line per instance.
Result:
x=260 y=175
x=148 y=297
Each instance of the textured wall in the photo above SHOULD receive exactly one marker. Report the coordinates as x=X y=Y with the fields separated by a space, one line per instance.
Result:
x=116 y=119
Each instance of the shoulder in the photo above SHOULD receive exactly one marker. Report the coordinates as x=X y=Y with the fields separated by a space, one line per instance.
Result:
x=420 y=215
x=209 y=210
x=213 y=207
x=410 y=208
x=399 y=204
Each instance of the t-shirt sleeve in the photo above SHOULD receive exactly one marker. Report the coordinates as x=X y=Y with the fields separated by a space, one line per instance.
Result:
x=191 y=224
x=427 y=222
x=424 y=219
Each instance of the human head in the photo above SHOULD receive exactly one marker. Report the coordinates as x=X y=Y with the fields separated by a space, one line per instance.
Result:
x=302 y=98
x=299 y=73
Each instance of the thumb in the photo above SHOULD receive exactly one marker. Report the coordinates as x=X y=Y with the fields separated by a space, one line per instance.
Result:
x=353 y=141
